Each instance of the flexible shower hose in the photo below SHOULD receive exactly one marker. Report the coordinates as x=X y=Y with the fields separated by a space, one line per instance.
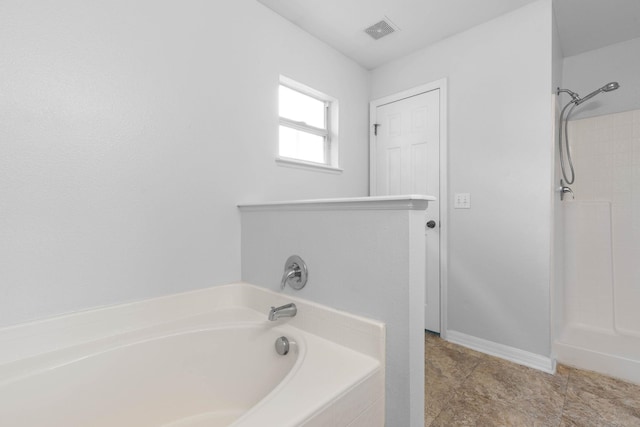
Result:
x=567 y=181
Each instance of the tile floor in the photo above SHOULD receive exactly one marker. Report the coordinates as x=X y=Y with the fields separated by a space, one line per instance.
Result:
x=467 y=388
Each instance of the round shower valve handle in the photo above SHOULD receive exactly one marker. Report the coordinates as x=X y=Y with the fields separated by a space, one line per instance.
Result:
x=295 y=273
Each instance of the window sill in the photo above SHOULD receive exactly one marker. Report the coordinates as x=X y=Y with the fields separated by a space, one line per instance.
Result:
x=301 y=164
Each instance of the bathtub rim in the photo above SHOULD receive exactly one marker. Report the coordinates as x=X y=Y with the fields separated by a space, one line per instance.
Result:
x=43 y=336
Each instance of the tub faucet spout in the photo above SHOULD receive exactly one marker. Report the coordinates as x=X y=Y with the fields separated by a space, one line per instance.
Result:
x=287 y=310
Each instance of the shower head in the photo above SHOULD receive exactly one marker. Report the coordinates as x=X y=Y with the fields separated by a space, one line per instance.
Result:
x=606 y=88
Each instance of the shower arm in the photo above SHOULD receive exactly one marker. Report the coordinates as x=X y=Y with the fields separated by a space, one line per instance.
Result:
x=574 y=96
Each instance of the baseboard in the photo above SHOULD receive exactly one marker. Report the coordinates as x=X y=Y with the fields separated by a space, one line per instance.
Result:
x=512 y=354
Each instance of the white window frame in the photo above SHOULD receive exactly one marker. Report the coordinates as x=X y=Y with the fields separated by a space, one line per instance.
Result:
x=329 y=134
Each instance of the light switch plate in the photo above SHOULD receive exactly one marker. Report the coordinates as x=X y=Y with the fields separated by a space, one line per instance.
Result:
x=462 y=201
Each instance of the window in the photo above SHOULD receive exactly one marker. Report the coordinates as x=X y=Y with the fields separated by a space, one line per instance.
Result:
x=307 y=125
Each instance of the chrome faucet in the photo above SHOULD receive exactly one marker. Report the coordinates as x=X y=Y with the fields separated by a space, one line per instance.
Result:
x=288 y=275
x=295 y=273
x=287 y=310
x=565 y=190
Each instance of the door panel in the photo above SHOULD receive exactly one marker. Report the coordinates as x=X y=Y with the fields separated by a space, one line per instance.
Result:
x=394 y=174
x=419 y=160
x=408 y=162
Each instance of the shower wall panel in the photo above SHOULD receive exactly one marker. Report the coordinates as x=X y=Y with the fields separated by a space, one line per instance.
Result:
x=606 y=152
x=588 y=265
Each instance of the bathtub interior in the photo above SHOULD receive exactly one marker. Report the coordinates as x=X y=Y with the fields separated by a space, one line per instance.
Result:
x=154 y=382
x=213 y=364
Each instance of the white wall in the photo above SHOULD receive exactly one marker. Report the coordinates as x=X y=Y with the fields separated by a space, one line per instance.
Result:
x=557 y=253
x=129 y=131
x=588 y=71
x=366 y=262
x=500 y=151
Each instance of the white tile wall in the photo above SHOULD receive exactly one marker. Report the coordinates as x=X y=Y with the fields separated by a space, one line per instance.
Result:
x=606 y=156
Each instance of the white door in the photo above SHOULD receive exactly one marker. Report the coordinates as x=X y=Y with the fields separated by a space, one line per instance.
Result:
x=407 y=161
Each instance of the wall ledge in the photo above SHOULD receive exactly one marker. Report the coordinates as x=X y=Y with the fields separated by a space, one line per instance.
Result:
x=404 y=202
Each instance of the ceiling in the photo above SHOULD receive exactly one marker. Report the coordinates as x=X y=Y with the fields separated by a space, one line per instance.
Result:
x=583 y=24
x=590 y=24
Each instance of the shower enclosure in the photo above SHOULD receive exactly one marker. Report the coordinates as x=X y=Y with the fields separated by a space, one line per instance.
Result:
x=598 y=297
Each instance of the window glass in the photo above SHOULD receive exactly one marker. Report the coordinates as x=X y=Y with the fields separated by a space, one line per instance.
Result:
x=301 y=145
x=299 y=107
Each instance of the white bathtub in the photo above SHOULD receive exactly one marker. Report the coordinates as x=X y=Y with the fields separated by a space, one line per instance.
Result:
x=203 y=358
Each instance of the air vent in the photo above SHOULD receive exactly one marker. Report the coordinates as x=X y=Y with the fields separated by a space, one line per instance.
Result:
x=379 y=30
